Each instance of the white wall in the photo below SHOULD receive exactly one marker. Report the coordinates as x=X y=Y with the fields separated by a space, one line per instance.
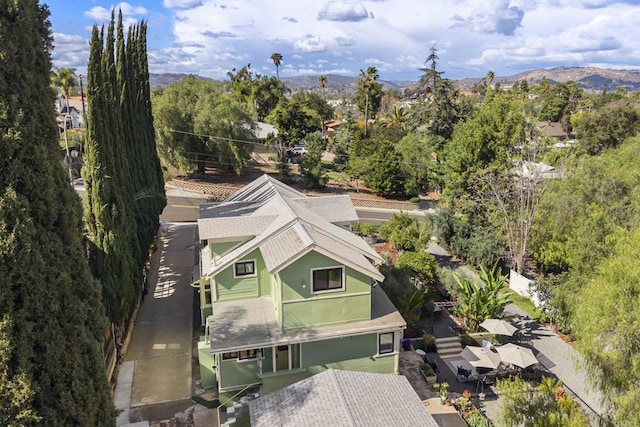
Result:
x=523 y=286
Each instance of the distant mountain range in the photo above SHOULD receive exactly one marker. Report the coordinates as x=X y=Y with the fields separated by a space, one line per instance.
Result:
x=589 y=78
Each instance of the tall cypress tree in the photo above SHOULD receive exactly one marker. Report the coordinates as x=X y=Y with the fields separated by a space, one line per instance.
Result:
x=52 y=319
x=108 y=220
x=125 y=189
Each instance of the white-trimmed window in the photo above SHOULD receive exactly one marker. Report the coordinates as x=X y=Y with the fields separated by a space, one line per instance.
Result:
x=232 y=355
x=385 y=343
x=244 y=268
x=327 y=279
x=250 y=354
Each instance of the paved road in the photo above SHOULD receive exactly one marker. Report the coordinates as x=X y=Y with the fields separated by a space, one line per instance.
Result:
x=558 y=357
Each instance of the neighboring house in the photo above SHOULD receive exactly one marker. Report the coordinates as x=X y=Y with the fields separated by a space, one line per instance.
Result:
x=533 y=170
x=262 y=131
x=70 y=117
x=287 y=291
x=343 y=398
x=330 y=128
x=552 y=130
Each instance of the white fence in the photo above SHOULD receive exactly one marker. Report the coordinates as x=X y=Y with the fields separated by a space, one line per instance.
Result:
x=524 y=286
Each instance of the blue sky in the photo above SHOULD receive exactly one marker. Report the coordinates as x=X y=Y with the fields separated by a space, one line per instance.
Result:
x=210 y=37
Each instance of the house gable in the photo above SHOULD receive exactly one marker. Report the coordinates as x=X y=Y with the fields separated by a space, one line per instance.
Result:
x=303 y=306
x=229 y=285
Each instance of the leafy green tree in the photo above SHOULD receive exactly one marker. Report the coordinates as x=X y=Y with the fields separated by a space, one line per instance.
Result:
x=421 y=169
x=51 y=315
x=342 y=147
x=607 y=128
x=226 y=122
x=382 y=168
x=421 y=263
x=578 y=214
x=548 y=405
x=607 y=324
x=294 y=123
x=175 y=112
x=481 y=144
x=405 y=232
x=481 y=301
x=198 y=124
x=241 y=83
x=316 y=106
x=267 y=93
x=313 y=173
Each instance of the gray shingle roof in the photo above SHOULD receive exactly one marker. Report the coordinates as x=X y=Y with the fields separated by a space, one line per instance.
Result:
x=284 y=224
x=226 y=227
x=333 y=208
x=342 y=398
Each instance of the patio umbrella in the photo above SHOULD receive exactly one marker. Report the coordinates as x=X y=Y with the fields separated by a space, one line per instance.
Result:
x=498 y=327
x=481 y=357
x=516 y=355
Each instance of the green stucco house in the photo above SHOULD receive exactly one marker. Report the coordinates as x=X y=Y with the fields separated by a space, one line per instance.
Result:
x=287 y=291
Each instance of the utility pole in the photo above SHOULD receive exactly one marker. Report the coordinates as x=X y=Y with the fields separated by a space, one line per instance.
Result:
x=66 y=143
x=84 y=113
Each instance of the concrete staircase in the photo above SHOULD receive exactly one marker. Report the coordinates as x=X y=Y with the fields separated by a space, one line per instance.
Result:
x=229 y=416
x=449 y=347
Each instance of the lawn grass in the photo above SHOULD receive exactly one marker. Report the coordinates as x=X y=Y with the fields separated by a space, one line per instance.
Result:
x=338 y=176
x=525 y=304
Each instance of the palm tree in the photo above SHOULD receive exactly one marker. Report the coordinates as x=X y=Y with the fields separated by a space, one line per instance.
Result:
x=322 y=81
x=66 y=79
x=398 y=116
x=367 y=82
x=276 y=58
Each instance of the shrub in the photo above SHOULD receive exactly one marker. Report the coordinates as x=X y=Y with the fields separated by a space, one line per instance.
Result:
x=422 y=264
x=414 y=199
x=478 y=419
x=429 y=342
x=427 y=370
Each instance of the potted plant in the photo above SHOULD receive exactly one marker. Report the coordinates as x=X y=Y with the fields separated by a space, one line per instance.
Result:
x=427 y=372
x=443 y=391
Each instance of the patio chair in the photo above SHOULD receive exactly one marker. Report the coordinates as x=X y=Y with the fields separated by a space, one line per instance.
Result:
x=488 y=380
x=465 y=374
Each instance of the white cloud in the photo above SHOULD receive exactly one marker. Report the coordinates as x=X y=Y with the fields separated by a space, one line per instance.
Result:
x=309 y=44
x=70 y=51
x=101 y=14
x=337 y=11
x=472 y=36
x=98 y=13
x=181 y=4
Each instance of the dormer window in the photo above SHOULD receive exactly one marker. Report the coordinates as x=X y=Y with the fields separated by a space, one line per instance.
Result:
x=327 y=279
x=244 y=268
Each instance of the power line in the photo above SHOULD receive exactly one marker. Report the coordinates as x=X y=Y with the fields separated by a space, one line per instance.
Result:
x=260 y=144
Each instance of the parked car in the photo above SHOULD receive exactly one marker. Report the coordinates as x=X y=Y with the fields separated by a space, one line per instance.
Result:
x=298 y=150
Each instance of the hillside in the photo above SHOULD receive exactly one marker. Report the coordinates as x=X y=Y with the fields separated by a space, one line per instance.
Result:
x=589 y=78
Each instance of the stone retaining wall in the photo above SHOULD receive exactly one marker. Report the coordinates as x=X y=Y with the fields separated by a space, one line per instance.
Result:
x=221 y=191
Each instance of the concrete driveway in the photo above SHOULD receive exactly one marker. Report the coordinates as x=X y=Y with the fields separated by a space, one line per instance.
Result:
x=161 y=347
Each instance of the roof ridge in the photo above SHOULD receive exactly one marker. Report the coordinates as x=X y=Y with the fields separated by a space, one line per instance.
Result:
x=340 y=394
